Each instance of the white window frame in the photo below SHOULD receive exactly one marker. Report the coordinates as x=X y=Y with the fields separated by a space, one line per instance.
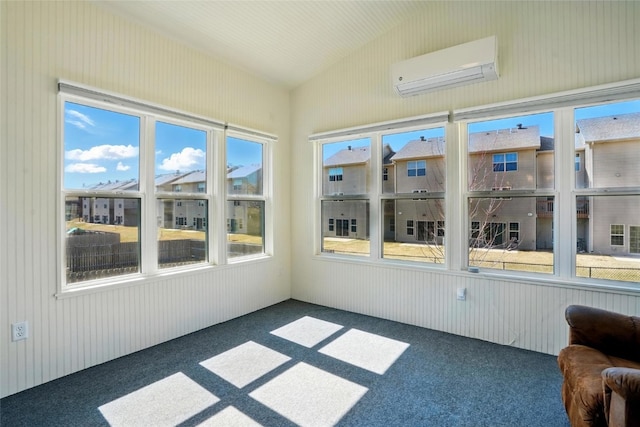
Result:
x=213 y=195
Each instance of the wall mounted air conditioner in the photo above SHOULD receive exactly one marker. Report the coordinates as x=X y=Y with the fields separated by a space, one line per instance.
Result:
x=464 y=64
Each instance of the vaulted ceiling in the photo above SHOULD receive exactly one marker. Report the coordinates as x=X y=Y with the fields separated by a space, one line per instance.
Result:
x=284 y=42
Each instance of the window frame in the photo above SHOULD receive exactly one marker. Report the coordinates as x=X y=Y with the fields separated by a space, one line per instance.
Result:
x=566 y=198
x=147 y=193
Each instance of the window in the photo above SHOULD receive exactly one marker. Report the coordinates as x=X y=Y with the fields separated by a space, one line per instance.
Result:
x=335 y=174
x=617 y=235
x=246 y=197
x=120 y=183
x=385 y=174
x=506 y=162
x=607 y=190
x=577 y=162
x=422 y=238
x=500 y=204
x=417 y=168
x=331 y=224
x=345 y=172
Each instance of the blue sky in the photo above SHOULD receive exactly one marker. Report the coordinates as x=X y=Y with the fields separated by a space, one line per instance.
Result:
x=102 y=146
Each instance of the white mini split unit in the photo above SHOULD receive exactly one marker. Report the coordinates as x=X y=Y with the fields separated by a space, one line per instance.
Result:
x=460 y=65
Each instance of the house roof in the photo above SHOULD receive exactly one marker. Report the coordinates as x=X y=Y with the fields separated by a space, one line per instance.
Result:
x=191 y=177
x=349 y=156
x=610 y=128
x=505 y=139
x=244 y=171
x=167 y=178
x=431 y=147
x=130 y=184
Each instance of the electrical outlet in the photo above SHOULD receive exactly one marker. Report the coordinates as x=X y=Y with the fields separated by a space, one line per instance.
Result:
x=19 y=331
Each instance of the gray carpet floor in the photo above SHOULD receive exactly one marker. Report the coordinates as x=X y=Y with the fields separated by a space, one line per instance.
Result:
x=321 y=366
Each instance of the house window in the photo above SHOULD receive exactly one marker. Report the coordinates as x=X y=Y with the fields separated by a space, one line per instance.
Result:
x=246 y=196
x=417 y=168
x=410 y=227
x=514 y=232
x=385 y=174
x=335 y=174
x=335 y=156
x=505 y=162
x=116 y=171
x=577 y=162
x=608 y=193
x=512 y=202
x=617 y=234
x=331 y=224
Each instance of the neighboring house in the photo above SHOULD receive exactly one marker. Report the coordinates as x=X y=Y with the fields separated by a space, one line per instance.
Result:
x=346 y=173
x=610 y=155
x=189 y=213
x=242 y=216
x=419 y=168
x=116 y=211
x=607 y=156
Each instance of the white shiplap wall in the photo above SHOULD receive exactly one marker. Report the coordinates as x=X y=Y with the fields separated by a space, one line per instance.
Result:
x=544 y=47
x=40 y=43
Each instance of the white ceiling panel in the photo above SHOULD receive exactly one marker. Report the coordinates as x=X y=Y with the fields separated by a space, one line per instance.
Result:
x=285 y=42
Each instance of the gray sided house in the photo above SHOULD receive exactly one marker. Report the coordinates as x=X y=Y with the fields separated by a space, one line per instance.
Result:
x=609 y=156
x=243 y=217
x=346 y=173
x=419 y=168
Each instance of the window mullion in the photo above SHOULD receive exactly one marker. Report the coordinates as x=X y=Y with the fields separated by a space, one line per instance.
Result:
x=564 y=246
x=148 y=220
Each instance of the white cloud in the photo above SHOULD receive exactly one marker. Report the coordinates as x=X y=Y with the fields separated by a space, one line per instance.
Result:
x=122 y=167
x=78 y=119
x=84 y=168
x=188 y=159
x=103 y=152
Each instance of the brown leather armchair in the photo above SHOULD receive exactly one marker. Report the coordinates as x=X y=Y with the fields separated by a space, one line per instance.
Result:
x=601 y=368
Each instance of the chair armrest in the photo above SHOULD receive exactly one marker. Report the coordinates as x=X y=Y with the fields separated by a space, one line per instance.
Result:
x=624 y=381
x=612 y=333
x=621 y=388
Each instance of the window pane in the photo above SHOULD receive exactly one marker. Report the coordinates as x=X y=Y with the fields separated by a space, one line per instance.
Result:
x=103 y=237
x=608 y=233
x=182 y=232
x=516 y=153
x=338 y=236
x=101 y=149
x=245 y=228
x=608 y=140
x=419 y=235
x=345 y=167
x=511 y=234
x=414 y=161
x=180 y=159
x=244 y=167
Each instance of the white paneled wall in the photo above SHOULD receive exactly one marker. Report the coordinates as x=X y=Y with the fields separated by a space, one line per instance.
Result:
x=544 y=47
x=40 y=43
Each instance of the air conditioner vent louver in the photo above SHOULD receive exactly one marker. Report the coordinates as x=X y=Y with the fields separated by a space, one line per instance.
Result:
x=456 y=66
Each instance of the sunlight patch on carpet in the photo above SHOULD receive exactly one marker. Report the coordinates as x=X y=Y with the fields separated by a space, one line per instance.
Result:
x=230 y=417
x=167 y=402
x=369 y=351
x=245 y=363
x=307 y=331
x=309 y=396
